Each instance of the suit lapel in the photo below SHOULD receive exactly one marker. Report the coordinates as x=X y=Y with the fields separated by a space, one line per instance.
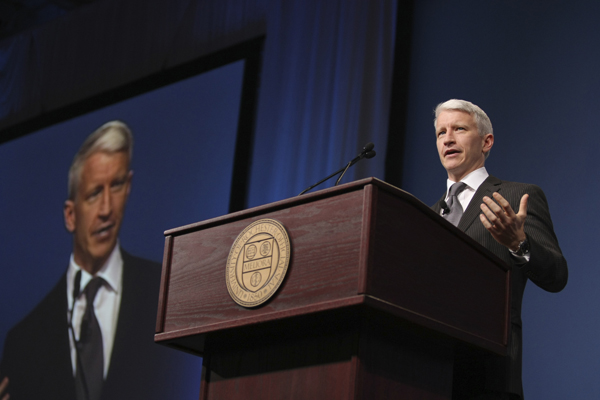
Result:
x=134 y=334
x=122 y=333
x=59 y=378
x=487 y=188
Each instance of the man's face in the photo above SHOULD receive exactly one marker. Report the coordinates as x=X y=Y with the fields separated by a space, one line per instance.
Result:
x=95 y=215
x=460 y=147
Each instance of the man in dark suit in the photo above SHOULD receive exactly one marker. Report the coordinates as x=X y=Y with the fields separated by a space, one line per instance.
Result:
x=510 y=219
x=47 y=354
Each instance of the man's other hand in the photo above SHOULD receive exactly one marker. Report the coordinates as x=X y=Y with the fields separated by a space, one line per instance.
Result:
x=501 y=221
x=3 y=393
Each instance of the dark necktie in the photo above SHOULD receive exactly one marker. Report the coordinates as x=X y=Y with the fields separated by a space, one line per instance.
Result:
x=456 y=210
x=90 y=363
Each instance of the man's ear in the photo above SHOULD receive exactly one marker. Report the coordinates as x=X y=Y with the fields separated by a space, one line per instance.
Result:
x=129 y=178
x=69 y=213
x=488 y=142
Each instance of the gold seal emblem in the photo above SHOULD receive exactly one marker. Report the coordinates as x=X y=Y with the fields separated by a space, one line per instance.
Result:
x=257 y=262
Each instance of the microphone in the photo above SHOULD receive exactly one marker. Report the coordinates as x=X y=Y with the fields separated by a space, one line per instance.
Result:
x=367 y=152
x=77 y=343
x=368 y=147
x=445 y=208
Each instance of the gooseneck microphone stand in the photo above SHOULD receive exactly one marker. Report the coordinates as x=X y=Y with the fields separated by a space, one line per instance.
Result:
x=367 y=152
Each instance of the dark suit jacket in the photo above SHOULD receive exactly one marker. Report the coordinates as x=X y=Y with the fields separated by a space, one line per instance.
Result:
x=547 y=267
x=37 y=356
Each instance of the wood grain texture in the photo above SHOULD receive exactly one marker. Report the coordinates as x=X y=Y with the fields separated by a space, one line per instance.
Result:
x=339 y=357
x=164 y=285
x=364 y=238
x=325 y=239
x=368 y=219
x=400 y=363
x=309 y=367
x=379 y=291
x=428 y=269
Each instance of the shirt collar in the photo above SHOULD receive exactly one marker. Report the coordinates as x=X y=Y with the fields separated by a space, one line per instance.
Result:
x=473 y=180
x=111 y=272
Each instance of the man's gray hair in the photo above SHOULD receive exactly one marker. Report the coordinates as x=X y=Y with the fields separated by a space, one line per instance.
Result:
x=112 y=137
x=484 y=125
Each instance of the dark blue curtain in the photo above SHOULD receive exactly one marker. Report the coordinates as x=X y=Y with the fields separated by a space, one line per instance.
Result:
x=533 y=67
x=325 y=92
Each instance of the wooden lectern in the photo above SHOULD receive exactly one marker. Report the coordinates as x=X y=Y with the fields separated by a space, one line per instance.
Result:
x=378 y=293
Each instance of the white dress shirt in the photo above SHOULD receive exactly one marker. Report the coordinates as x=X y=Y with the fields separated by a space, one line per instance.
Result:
x=106 y=303
x=473 y=181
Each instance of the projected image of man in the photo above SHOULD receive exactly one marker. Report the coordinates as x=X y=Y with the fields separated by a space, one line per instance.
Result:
x=91 y=337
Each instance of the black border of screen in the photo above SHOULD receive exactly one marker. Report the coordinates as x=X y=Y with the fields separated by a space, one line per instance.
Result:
x=249 y=51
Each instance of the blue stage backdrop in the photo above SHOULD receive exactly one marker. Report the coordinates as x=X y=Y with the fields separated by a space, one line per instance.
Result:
x=184 y=140
x=533 y=67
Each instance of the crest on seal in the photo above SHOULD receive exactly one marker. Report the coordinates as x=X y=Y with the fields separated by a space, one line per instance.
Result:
x=257 y=262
